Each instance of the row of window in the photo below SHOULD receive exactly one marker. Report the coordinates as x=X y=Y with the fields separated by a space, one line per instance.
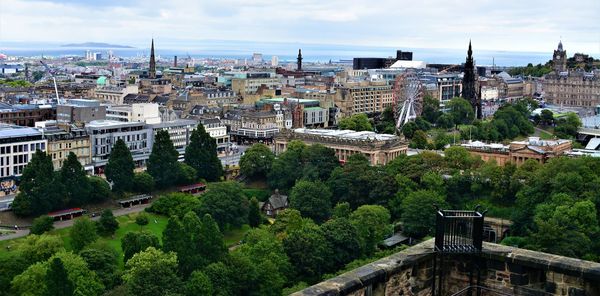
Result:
x=22 y=148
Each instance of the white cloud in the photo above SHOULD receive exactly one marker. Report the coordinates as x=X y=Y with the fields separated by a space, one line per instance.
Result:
x=533 y=25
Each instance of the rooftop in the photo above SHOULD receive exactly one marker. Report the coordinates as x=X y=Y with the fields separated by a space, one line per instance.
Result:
x=110 y=123
x=346 y=134
x=13 y=131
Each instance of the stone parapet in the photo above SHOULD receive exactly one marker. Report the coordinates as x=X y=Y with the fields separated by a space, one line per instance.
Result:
x=507 y=270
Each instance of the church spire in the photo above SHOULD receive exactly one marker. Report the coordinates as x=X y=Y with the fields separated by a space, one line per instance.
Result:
x=152 y=68
x=299 y=59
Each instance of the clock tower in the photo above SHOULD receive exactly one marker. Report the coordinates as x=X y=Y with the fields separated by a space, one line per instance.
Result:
x=559 y=60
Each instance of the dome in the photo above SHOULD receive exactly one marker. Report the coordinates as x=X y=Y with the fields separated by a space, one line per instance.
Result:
x=101 y=80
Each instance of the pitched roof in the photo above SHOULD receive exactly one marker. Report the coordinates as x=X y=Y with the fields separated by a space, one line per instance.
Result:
x=278 y=201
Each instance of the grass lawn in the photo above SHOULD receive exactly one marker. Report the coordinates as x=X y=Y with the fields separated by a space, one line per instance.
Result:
x=233 y=236
x=544 y=135
x=155 y=226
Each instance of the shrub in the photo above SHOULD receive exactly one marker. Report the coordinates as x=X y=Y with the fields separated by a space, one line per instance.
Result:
x=42 y=224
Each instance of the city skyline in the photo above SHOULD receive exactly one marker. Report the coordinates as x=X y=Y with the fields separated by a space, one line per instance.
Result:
x=511 y=26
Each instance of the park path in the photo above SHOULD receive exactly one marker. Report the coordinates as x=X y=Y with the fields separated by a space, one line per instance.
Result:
x=69 y=223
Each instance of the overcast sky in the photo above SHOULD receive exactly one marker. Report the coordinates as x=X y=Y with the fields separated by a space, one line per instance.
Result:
x=511 y=25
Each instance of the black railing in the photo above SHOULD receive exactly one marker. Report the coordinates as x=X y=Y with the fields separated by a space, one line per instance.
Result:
x=459 y=232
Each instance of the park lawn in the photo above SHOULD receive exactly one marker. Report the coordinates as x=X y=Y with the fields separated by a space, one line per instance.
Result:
x=233 y=236
x=544 y=135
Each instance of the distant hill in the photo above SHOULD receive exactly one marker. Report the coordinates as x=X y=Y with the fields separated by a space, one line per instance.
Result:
x=96 y=45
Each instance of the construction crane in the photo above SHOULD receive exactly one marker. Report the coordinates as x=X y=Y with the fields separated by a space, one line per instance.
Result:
x=53 y=79
x=448 y=69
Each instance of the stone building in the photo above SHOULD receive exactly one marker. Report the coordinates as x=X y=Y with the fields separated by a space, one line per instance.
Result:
x=379 y=149
x=61 y=142
x=25 y=115
x=364 y=97
x=517 y=152
x=571 y=87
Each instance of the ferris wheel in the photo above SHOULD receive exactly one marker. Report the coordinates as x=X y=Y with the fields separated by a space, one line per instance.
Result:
x=408 y=98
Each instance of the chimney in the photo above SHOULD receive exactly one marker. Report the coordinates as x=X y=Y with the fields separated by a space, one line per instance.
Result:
x=175 y=62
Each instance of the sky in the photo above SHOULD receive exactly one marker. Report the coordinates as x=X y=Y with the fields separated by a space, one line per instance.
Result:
x=507 y=25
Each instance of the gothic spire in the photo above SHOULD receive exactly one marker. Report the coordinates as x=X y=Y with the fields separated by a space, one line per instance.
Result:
x=469 y=88
x=152 y=68
x=299 y=59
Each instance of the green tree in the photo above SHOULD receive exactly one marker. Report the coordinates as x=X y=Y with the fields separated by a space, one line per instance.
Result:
x=373 y=225
x=100 y=189
x=42 y=224
x=107 y=225
x=175 y=204
x=344 y=240
x=221 y=279
x=74 y=181
x=419 y=140
x=319 y=162
x=57 y=280
x=418 y=212
x=261 y=246
x=143 y=182
x=461 y=111
x=187 y=174
x=119 y=169
x=173 y=236
x=37 y=191
x=10 y=266
x=103 y=260
x=409 y=129
x=152 y=272
x=36 y=248
x=445 y=121
x=201 y=154
x=226 y=203
x=141 y=219
x=254 y=213
x=458 y=158
x=198 y=284
x=212 y=245
x=287 y=167
x=135 y=242
x=547 y=117
x=82 y=233
x=440 y=140
x=431 y=108
x=256 y=161
x=312 y=199
x=341 y=210
x=33 y=281
x=308 y=251
x=162 y=163
x=567 y=127
x=357 y=122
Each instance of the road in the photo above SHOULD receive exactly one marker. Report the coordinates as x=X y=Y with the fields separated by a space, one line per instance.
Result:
x=69 y=223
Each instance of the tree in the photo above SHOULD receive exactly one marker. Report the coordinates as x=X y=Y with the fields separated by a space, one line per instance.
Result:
x=254 y=213
x=119 y=169
x=74 y=182
x=256 y=161
x=135 y=242
x=212 y=247
x=10 y=266
x=82 y=233
x=103 y=260
x=409 y=129
x=152 y=272
x=173 y=236
x=201 y=154
x=57 y=280
x=547 y=117
x=141 y=219
x=440 y=140
x=143 y=182
x=357 y=122
x=37 y=191
x=445 y=121
x=308 y=251
x=312 y=199
x=287 y=167
x=198 y=284
x=221 y=278
x=418 y=213
x=319 y=162
x=107 y=225
x=458 y=158
x=162 y=163
x=226 y=203
x=431 y=108
x=175 y=204
x=373 y=225
x=42 y=224
x=36 y=248
x=187 y=174
x=33 y=281
x=341 y=210
x=567 y=127
x=461 y=111
x=419 y=140
x=344 y=240
x=100 y=189
x=261 y=246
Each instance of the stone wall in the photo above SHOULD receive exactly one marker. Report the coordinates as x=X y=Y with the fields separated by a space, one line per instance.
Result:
x=504 y=271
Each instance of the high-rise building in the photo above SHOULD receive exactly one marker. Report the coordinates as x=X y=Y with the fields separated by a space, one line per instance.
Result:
x=257 y=58
x=152 y=68
x=274 y=61
x=469 y=91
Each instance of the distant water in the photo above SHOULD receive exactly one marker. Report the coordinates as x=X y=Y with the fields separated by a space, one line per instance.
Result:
x=288 y=52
